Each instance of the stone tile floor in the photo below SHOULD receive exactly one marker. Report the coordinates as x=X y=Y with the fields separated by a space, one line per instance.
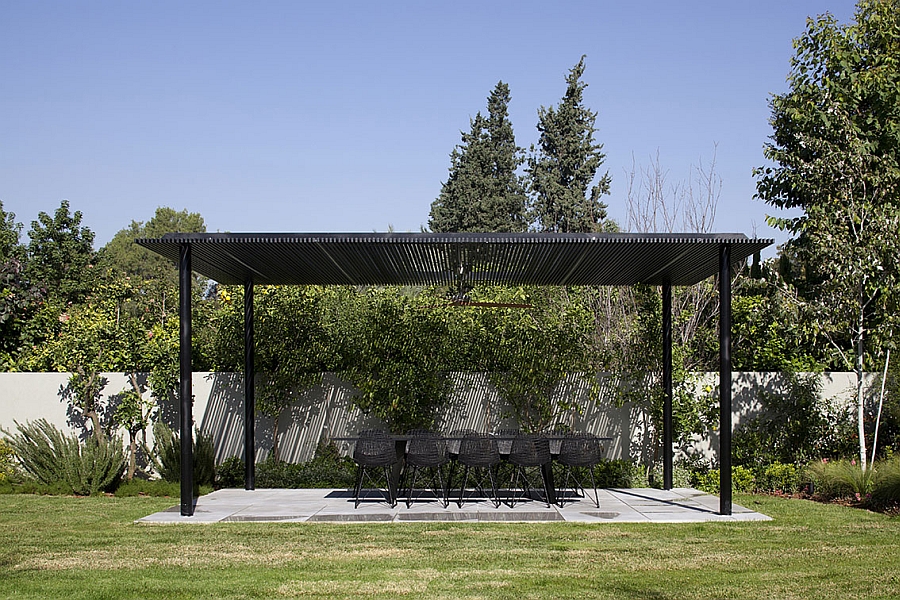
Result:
x=638 y=505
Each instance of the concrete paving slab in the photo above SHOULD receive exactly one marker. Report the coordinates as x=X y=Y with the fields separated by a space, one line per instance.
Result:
x=641 y=505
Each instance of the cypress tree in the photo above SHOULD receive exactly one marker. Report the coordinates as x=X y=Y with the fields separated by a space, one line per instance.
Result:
x=566 y=162
x=483 y=192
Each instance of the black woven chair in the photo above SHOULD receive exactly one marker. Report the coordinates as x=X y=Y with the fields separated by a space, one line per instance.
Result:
x=478 y=454
x=426 y=453
x=375 y=451
x=579 y=453
x=529 y=454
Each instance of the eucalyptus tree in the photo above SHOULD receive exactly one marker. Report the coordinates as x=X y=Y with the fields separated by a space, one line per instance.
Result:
x=835 y=154
x=483 y=191
x=563 y=169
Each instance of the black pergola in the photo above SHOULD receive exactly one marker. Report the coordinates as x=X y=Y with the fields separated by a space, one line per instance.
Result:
x=460 y=261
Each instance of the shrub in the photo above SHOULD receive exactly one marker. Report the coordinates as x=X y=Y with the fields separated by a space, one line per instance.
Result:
x=230 y=474
x=778 y=477
x=681 y=476
x=53 y=458
x=620 y=474
x=886 y=489
x=795 y=427
x=168 y=448
x=320 y=472
x=7 y=461
x=742 y=480
x=153 y=487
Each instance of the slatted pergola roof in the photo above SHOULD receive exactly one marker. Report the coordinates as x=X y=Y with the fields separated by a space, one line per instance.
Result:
x=456 y=258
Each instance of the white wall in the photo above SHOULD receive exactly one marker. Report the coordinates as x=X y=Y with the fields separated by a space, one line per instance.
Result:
x=326 y=410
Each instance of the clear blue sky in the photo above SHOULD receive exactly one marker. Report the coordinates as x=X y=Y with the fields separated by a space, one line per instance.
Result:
x=340 y=116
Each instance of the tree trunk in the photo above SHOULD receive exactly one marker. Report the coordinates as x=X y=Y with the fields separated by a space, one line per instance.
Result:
x=860 y=400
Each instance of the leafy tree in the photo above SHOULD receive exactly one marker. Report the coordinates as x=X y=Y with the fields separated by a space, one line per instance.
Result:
x=9 y=236
x=394 y=350
x=564 y=166
x=530 y=352
x=60 y=255
x=124 y=255
x=483 y=192
x=836 y=149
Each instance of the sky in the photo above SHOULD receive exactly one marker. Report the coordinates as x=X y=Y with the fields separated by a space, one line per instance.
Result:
x=341 y=116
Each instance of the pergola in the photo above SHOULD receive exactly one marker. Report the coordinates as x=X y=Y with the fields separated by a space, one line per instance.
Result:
x=460 y=261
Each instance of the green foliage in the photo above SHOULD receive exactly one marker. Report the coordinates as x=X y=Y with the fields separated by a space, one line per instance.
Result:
x=778 y=477
x=840 y=479
x=230 y=474
x=619 y=473
x=60 y=255
x=54 y=458
x=7 y=461
x=565 y=164
x=317 y=473
x=123 y=255
x=168 y=455
x=483 y=193
x=742 y=480
x=769 y=330
x=530 y=352
x=797 y=425
x=393 y=351
x=836 y=147
x=20 y=300
x=153 y=487
x=886 y=490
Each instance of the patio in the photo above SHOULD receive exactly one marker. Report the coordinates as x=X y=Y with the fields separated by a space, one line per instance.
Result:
x=636 y=505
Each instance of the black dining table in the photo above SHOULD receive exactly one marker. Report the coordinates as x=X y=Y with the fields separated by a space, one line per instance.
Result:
x=504 y=443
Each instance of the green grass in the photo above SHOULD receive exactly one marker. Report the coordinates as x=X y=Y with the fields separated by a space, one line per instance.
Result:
x=63 y=547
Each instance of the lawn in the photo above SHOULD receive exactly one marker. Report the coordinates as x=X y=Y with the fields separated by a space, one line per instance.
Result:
x=62 y=547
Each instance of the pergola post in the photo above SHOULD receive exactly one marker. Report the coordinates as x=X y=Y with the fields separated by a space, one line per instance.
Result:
x=185 y=384
x=668 y=433
x=725 y=379
x=249 y=392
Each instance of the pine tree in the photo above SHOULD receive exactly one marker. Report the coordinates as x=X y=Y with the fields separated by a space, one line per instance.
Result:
x=566 y=162
x=483 y=191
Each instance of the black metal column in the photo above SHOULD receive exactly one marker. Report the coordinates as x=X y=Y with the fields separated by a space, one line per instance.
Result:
x=725 y=379
x=249 y=392
x=668 y=433
x=185 y=385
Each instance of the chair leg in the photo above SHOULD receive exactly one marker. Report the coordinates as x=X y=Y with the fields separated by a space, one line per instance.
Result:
x=594 y=483
x=462 y=489
x=359 y=478
x=412 y=485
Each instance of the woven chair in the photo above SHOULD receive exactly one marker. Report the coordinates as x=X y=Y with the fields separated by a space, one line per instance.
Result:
x=478 y=454
x=579 y=452
x=375 y=451
x=529 y=454
x=426 y=452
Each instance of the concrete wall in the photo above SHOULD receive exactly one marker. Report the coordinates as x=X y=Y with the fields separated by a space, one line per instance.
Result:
x=326 y=411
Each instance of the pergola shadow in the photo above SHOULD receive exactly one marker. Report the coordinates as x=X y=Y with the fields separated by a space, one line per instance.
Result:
x=459 y=261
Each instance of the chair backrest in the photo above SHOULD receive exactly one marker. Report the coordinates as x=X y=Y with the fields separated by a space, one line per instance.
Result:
x=580 y=449
x=375 y=448
x=456 y=437
x=530 y=450
x=479 y=450
x=426 y=449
